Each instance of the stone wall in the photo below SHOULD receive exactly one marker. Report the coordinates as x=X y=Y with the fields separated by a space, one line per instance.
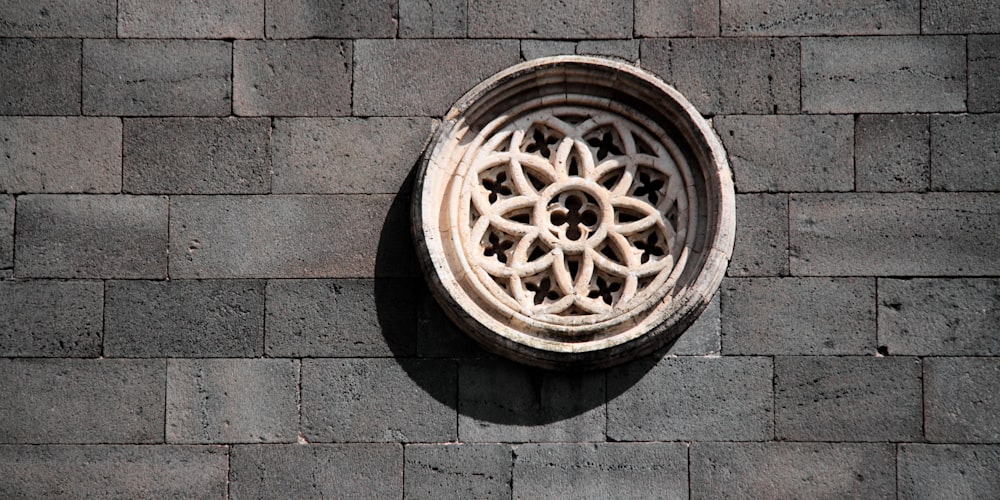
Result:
x=208 y=287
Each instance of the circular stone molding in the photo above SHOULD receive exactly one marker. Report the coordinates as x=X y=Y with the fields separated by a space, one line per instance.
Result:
x=574 y=213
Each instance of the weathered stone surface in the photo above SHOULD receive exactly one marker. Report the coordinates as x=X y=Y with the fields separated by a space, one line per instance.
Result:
x=892 y=153
x=403 y=77
x=962 y=400
x=966 y=152
x=691 y=398
x=534 y=49
x=984 y=73
x=702 y=338
x=317 y=471
x=51 y=318
x=504 y=401
x=321 y=18
x=792 y=470
x=847 y=398
x=91 y=236
x=568 y=19
x=761 y=247
x=432 y=18
x=603 y=470
x=378 y=400
x=30 y=88
x=197 y=155
x=894 y=234
x=110 y=471
x=6 y=231
x=346 y=155
x=438 y=336
x=232 y=400
x=457 y=471
x=157 y=77
x=720 y=75
x=627 y=50
x=58 y=18
x=214 y=318
x=838 y=17
x=929 y=471
x=81 y=401
x=893 y=74
x=676 y=18
x=182 y=19
x=789 y=153
x=292 y=78
x=960 y=16
x=810 y=316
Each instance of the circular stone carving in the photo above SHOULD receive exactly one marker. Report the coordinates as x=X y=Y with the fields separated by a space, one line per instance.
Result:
x=574 y=212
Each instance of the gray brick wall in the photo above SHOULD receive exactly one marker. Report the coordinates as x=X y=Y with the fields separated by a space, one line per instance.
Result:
x=208 y=289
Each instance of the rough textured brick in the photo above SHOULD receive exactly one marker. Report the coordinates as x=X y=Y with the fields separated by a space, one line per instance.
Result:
x=6 y=231
x=292 y=78
x=58 y=18
x=214 y=318
x=962 y=400
x=317 y=471
x=378 y=400
x=340 y=318
x=321 y=18
x=91 y=236
x=432 y=18
x=949 y=471
x=761 y=247
x=789 y=153
x=81 y=401
x=535 y=49
x=960 y=16
x=317 y=155
x=28 y=87
x=676 y=18
x=965 y=152
x=892 y=153
x=896 y=74
x=60 y=154
x=567 y=19
x=232 y=400
x=856 y=398
x=457 y=471
x=110 y=471
x=702 y=338
x=504 y=401
x=838 y=17
x=894 y=234
x=627 y=50
x=437 y=335
x=183 y=19
x=605 y=470
x=690 y=398
x=404 y=77
x=197 y=155
x=792 y=470
x=157 y=77
x=984 y=73
x=721 y=75
x=51 y=318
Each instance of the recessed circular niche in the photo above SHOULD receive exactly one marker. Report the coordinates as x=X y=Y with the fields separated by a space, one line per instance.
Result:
x=574 y=213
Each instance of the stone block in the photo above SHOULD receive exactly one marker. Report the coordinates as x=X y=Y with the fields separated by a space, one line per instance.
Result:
x=808 y=316
x=438 y=336
x=30 y=88
x=883 y=74
x=789 y=153
x=6 y=231
x=317 y=471
x=51 y=318
x=232 y=400
x=457 y=471
x=91 y=236
x=324 y=19
x=182 y=19
x=113 y=471
x=292 y=78
x=602 y=470
x=323 y=155
x=962 y=400
x=894 y=234
x=960 y=16
x=157 y=77
x=58 y=18
x=702 y=338
x=378 y=400
x=665 y=18
x=535 y=49
x=792 y=470
x=197 y=155
x=341 y=318
x=403 y=77
x=819 y=398
x=892 y=153
x=719 y=75
x=984 y=73
x=691 y=398
x=761 y=247
x=567 y=19
x=837 y=17
x=432 y=18
x=966 y=152
x=928 y=471
x=626 y=50
x=81 y=401
x=212 y=318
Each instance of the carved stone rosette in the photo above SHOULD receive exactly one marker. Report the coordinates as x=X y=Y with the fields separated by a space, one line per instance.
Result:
x=574 y=212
